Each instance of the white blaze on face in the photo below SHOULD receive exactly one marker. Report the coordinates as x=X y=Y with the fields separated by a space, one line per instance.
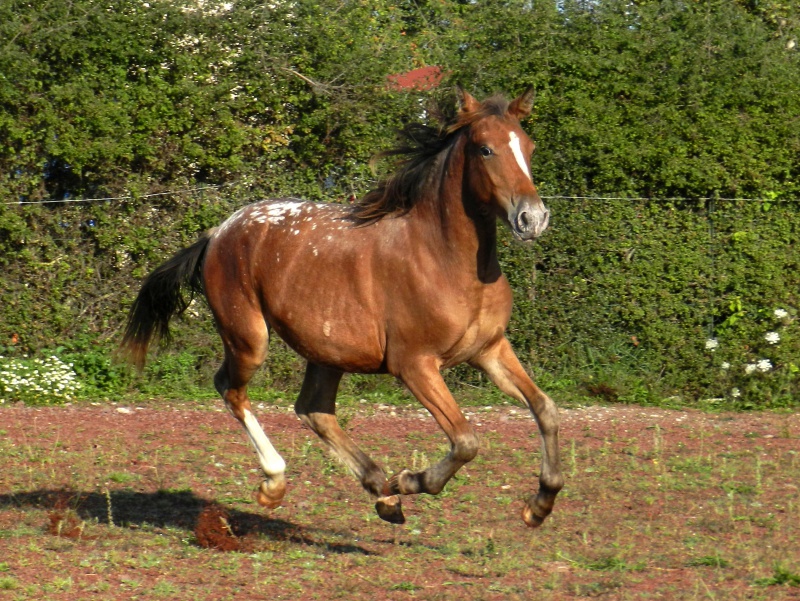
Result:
x=516 y=148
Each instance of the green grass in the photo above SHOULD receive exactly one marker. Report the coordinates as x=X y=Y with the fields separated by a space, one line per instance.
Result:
x=122 y=477
x=640 y=509
x=780 y=577
x=713 y=561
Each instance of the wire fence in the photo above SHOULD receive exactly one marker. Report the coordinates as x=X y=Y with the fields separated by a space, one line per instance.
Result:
x=206 y=187
x=117 y=198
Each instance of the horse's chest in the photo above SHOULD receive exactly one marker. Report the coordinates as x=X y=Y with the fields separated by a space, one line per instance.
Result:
x=474 y=339
x=483 y=324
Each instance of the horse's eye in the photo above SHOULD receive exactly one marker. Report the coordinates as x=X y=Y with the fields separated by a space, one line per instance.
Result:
x=486 y=151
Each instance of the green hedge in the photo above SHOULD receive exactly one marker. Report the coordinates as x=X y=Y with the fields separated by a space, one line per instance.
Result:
x=660 y=100
x=624 y=295
x=617 y=300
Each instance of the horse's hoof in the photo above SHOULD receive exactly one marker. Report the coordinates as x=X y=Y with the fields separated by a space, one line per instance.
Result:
x=271 y=492
x=390 y=510
x=531 y=519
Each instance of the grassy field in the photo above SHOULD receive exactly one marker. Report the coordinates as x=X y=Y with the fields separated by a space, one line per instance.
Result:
x=156 y=502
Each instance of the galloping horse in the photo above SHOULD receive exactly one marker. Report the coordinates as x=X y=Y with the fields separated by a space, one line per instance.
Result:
x=405 y=282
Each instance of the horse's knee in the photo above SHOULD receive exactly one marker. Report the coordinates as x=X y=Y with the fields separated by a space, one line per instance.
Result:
x=301 y=412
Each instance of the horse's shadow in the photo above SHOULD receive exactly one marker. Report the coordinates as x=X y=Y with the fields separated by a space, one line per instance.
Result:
x=170 y=509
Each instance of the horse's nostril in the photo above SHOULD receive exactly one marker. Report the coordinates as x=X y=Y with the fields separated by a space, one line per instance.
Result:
x=530 y=222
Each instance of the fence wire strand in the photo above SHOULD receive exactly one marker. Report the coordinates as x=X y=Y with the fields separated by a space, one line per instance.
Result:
x=544 y=197
x=114 y=198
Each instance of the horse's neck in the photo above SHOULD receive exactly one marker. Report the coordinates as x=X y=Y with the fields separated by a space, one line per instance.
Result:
x=455 y=229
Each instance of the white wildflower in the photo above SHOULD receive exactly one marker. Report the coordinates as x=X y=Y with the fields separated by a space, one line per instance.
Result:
x=764 y=365
x=725 y=365
x=712 y=344
x=780 y=313
x=750 y=368
x=772 y=337
x=36 y=379
x=736 y=393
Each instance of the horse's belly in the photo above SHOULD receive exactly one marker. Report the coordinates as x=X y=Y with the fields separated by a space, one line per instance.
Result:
x=334 y=342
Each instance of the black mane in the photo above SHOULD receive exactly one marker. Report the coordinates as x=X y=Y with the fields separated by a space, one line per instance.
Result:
x=420 y=145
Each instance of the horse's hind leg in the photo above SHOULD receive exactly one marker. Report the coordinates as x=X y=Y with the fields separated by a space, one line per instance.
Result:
x=245 y=351
x=316 y=406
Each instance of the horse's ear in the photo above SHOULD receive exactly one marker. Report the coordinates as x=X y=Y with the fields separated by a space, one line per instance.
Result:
x=522 y=106
x=466 y=103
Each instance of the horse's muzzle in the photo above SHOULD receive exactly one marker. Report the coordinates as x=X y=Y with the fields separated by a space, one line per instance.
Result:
x=528 y=221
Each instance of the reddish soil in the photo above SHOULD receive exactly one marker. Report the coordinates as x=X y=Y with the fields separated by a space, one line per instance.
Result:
x=652 y=497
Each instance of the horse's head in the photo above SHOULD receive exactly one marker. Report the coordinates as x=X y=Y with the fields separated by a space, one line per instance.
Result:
x=498 y=154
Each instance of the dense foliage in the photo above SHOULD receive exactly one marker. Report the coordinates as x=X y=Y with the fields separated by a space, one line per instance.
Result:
x=675 y=105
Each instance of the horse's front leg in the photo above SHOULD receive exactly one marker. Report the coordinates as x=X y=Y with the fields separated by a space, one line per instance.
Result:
x=426 y=383
x=503 y=367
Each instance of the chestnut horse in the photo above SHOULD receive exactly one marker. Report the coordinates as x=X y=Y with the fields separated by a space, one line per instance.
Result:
x=405 y=282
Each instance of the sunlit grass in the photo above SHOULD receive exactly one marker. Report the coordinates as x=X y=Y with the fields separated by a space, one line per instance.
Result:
x=640 y=509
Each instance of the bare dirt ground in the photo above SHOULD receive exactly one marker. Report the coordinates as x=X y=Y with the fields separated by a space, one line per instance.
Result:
x=156 y=502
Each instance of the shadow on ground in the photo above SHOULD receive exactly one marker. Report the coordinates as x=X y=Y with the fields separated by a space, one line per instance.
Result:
x=212 y=525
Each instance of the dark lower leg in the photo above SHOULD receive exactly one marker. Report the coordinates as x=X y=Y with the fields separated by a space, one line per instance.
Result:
x=316 y=406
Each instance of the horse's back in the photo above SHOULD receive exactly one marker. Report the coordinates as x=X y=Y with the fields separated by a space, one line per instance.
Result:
x=307 y=269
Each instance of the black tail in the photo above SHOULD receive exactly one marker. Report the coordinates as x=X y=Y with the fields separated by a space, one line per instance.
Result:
x=161 y=298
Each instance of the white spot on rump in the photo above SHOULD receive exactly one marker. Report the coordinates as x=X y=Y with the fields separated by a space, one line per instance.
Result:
x=516 y=148
x=230 y=221
x=285 y=213
x=285 y=208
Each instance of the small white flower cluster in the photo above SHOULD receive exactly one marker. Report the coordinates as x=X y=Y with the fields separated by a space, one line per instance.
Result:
x=763 y=365
x=37 y=380
x=207 y=8
x=772 y=338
